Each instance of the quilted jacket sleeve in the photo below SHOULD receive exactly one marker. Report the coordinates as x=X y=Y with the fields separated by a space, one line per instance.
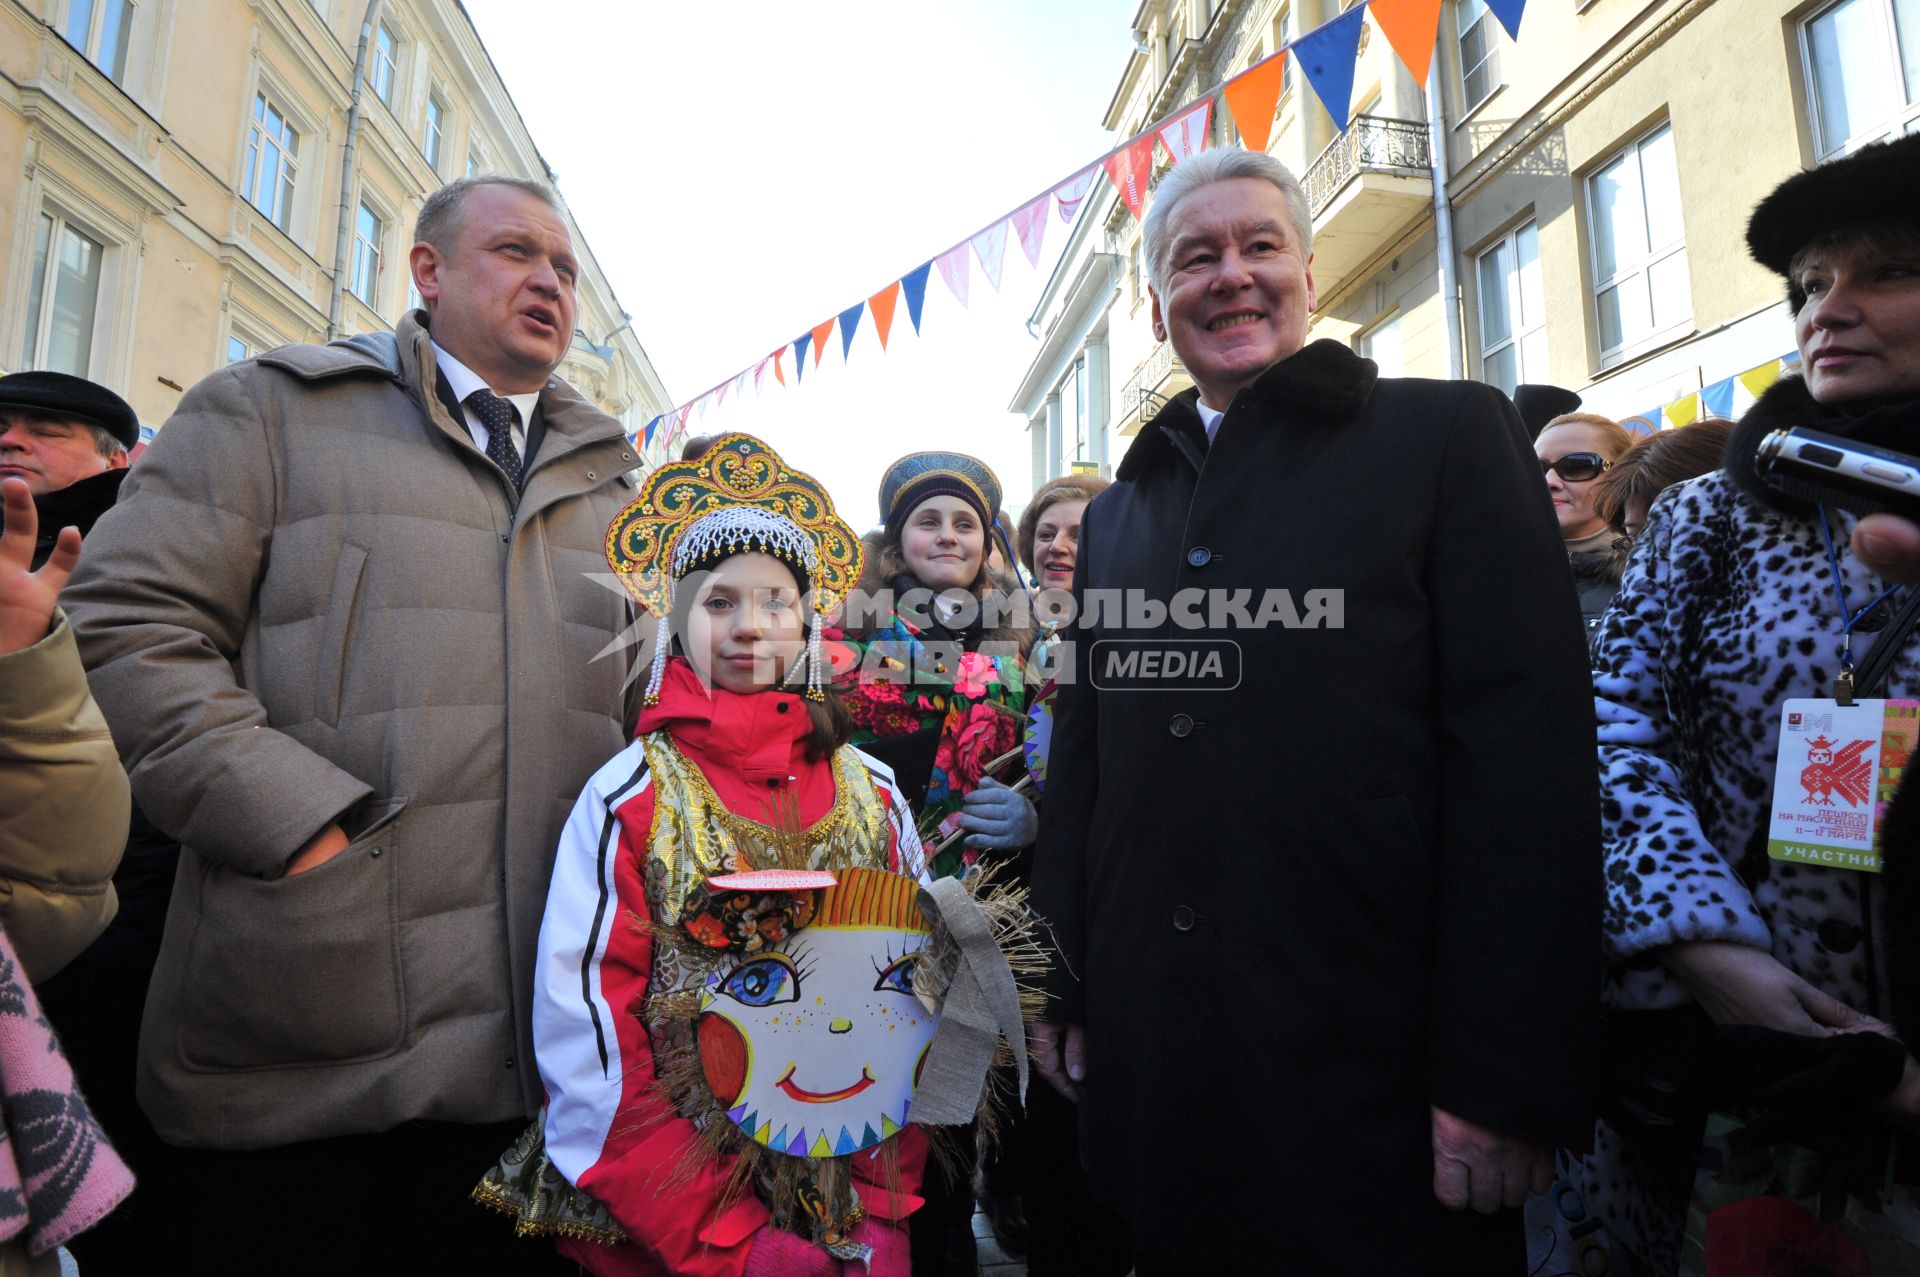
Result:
x=160 y=604
x=63 y=806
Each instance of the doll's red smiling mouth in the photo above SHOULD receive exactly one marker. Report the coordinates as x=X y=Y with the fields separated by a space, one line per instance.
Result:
x=823 y=1097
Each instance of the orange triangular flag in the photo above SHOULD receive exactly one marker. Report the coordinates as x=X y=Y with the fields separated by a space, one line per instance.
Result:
x=1410 y=27
x=821 y=331
x=880 y=306
x=779 y=373
x=1251 y=98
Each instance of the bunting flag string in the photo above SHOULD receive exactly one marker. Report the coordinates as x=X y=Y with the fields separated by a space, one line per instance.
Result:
x=914 y=285
x=821 y=331
x=1726 y=399
x=1072 y=191
x=1253 y=97
x=1411 y=27
x=849 y=324
x=1324 y=55
x=1187 y=135
x=990 y=246
x=881 y=306
x=1129 y=169
x=1030 y=228
x=953 y=269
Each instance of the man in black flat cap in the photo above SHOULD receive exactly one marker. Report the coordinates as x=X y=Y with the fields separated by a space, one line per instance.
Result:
x=69 y=439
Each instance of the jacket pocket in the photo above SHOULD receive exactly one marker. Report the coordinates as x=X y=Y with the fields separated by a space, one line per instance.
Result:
x=298 y=970
x=338 y=632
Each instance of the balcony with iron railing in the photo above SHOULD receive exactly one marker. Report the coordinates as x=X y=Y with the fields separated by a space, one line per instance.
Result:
x=1365 y=190
x=1159 y=378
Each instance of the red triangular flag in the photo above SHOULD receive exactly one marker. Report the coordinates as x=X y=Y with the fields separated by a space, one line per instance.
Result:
x=821 y=331
x=1410 y=27
x=1251 y=98
x=880 y=306
x=1130 y=168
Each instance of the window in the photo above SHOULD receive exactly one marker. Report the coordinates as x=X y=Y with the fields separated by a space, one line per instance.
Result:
x=1282 y=34
x=1513 y=334
x=414 y=300
x=273 y=148
x=64 y=296
x=477 y=162
x=1479 y=60
x=98 y=28
x=381 y=73
x=1381 y=343
x=1863 y=66
x=1639 y=249
x=237 y=350
x=436 y=131
x=364 y=277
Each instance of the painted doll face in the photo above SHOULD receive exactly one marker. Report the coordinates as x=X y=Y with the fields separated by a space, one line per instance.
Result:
x=815 y=1046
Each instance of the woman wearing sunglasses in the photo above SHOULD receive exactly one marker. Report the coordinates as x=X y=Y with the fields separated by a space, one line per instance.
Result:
x=1752 y=974
x=1574 y=450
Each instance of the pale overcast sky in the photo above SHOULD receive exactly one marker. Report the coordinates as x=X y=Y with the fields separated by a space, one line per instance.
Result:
x=743 y=170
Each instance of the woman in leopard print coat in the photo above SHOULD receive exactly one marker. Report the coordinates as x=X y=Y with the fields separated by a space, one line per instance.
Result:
x=1728 y=608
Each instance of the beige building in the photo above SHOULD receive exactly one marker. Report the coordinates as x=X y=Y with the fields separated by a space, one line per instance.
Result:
x=183 y=198
x=1595 y=180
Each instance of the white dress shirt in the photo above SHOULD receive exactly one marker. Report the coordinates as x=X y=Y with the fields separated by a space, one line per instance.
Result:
x=1209 y=418
x=463 y=381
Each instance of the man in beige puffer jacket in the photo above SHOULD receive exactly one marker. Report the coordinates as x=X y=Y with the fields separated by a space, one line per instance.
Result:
x=343 y=625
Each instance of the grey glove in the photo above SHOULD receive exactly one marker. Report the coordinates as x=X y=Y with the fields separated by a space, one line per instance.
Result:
x=1000 y=820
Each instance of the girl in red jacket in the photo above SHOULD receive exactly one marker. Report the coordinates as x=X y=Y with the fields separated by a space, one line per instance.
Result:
x=725 y=1016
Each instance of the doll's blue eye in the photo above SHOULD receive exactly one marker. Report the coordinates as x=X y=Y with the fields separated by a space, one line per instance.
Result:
x=763 y=981
x=898 y=974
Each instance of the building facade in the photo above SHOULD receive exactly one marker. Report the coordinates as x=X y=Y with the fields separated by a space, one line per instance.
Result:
x=1594 y=181
x=182 y=166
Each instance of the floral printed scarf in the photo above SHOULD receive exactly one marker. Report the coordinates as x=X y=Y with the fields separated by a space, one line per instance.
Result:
x=897 y=682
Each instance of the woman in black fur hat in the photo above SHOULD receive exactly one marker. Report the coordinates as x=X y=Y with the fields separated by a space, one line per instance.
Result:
x=1738 y=598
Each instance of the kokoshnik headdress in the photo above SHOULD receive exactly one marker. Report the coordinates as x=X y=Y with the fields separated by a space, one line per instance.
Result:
x=737 y=496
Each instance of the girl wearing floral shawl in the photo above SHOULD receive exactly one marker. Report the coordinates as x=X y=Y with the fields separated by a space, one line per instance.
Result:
x=933 y=675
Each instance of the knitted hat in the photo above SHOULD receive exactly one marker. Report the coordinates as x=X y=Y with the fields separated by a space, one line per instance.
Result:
x=919 y=476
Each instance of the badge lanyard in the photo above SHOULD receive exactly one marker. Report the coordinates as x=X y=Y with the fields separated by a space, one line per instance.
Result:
x=1843 y=681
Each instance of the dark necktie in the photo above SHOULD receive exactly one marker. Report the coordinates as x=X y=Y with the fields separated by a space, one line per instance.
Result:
x=499 y=417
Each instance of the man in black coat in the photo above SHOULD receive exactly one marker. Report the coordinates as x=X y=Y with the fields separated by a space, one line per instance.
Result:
x=69 y=439
x=1320 y=843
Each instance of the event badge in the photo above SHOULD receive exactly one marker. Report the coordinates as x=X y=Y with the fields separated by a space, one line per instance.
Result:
x=1834 y=775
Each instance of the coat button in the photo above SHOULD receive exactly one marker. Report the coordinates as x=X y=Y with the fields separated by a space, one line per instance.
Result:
x=592 y=475
x=773 y=782
x=1181 y=726
x=1199 y=556
x=780 y=707
x=1839 y=936
x=1183 y=918
x=509 y=1063
x=374 y=854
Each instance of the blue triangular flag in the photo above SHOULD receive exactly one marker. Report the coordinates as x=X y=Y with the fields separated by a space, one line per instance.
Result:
x=1717 y=399
x=845 y=1145
x=1509 y=11
x=869 y=1139
x=1326 y=57
x=849 y=321
x=800 y=345
x=647 y=434
x=914 y=285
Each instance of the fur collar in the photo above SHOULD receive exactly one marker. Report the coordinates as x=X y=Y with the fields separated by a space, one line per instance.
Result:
x=1321 y=384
